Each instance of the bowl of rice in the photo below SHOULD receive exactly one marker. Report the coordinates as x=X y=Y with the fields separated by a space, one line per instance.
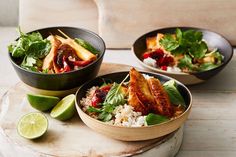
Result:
x=133 y=106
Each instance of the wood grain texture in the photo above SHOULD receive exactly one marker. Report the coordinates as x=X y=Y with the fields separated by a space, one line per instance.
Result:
x=121 y=21
x=73 y=138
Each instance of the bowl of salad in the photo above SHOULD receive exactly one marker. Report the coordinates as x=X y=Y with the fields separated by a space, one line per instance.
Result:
x=190 y=55
x=133 y=105
x=56 y=58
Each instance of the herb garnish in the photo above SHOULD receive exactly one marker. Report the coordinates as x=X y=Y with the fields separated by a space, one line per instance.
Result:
x=114 y=98
x=32 y=48
x=191 y=45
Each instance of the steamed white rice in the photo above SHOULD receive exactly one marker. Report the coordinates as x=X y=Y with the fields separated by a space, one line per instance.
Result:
x=123 y=115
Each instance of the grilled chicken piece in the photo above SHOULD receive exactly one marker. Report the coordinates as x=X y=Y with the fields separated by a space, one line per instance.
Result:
x=140 y=96
x=48 y=61
x=162 y=105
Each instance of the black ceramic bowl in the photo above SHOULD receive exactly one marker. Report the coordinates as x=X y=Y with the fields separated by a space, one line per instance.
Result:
x=68 y=80
x=132 y=133
x=214 y=40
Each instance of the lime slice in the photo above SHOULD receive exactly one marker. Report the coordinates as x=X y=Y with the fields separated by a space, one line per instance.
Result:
x=32 y=125
x=65 y=109
x=42 y=102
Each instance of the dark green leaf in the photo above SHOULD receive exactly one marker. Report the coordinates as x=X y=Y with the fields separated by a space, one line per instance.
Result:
x=93 y=109
x=153 y=119
x=198 y=50
x=174 y=94
x=86 y=45
x=169 y=42
x=109 y=108
x=178 y=35
x=185 y=62
x=104 y=116
x=192 y=35
x=38 y=49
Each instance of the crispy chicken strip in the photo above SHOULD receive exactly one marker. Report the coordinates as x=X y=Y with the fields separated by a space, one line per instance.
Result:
x=163 y=105
x=140 y=96
x=48 y=60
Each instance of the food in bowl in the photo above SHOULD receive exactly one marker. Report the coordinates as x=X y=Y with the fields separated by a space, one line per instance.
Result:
x=54 y=54
x=182 y=52
x=141 y=101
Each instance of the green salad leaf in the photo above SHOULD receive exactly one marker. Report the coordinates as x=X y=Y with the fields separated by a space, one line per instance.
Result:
x=152 y=119
x=32 y=47
x=86 y=45
x=174 y=94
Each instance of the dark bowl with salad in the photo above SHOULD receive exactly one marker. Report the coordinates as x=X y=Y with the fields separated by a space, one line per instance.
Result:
x=190 y=55
x=57 y=58
x=133 y=105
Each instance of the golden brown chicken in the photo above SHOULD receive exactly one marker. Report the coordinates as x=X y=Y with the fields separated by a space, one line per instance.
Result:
x=148 y=95
x=48 y=61
x=163 y=105
x=140 y=96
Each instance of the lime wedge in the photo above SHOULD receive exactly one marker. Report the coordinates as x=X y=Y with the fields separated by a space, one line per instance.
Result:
x=32 y=125
x=65 y=109
x=42 y=102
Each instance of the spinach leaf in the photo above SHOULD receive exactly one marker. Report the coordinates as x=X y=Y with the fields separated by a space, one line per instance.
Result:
x=86 y=45
x=174 y=95
x=153 y=119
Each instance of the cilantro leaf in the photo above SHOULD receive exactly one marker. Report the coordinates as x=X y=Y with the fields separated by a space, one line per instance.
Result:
x=192 y=36
x=32 y=47
x=185 y=62
x=198 y=50
x=93 y=109
x=169 y=42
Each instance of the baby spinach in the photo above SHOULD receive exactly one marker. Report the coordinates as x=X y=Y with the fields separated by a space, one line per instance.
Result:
x=174 y=95
x=152 y=119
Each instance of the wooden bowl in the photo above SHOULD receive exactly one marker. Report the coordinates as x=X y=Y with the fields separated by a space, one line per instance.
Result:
x=213 y=40
x=132 y=133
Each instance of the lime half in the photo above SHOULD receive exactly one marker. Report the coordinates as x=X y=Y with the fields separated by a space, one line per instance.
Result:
x=32 y=125
x=65 y=109
x=42 y=102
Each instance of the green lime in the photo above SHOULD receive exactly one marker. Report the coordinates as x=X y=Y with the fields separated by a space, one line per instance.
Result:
x=32 y=125
x=42 y=102
x=65 y=109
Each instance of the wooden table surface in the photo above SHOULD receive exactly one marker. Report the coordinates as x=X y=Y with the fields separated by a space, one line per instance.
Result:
x=211 y=127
